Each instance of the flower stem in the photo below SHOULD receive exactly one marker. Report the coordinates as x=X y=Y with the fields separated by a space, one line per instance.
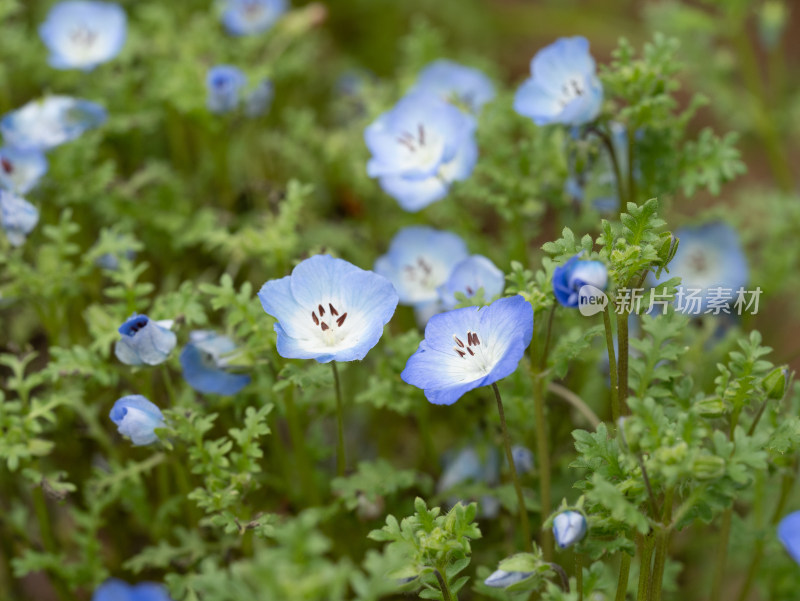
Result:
x=341 y=459
x=443 y=586
x=579 y=575
x=646 y=545
x=662 y=543
x=622 y=366
x=722 y=555
x=543 y=460
x=612 y=366
x=609 y=144
x=48 y=540
x=299 y=447
x=523 y=511
x=624 y=572
x=573 y=399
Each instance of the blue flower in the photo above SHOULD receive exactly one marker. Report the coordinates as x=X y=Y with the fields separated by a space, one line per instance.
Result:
x=471 y=347
x=419 y=261
x=137 y=418
x=420 y=148
x=789 y=534
x=258 y=100
x=709 y=256
x=569 y=527
x=328 y=310
x=17 y=216
x=246 y=17
x=469 y=276
x=224 y=84
x=468 y=466
x=82 y=34
x=46 y=123
x=205 y=362
x=118 y=590
x=523 y=459
x=503 y=579
x=568 y=279
x=456 y=83
x=144 y=341
x=563 y=87
x=20 y=169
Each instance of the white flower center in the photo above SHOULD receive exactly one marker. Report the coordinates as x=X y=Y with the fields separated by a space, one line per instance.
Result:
x=571 y=89
x=423 y=145
x=331 y=324
x=474 y=353
x=253 y=10
x=421 y=274
x=83 y=36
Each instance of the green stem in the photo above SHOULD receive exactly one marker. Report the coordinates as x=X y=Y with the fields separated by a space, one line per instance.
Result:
x=622 y=366
x=546 y=347
x=615 y=164
x=523 y=511
x=722 y=555
x=662 y=544
x=579 y=575
x=573 y=399
x=543 y=460
x=341 y=459
x=48 y=540
x=631 y=178
x=646 y=555
x=168 y=383
x=443 y=586
x=612 y=365
x=624 y=572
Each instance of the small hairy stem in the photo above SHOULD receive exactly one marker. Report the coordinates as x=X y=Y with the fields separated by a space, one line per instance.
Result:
x=622 y=367
x=646 y=544
x=631 y=178
x=624 y=572
x=662 y=548
x=579 y=575
x=612 y=365
x=562 y=575
x=548 y=331
x=646 y=478
x=722 y=555
x=523 y=511
x=606 y=139
x=573 y=399
x=48 y=540
x=304 y=465
x=443 y=586
x=341 y=460
x=543 y=461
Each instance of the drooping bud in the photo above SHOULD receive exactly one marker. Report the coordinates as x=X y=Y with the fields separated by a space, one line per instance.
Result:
x=775 y=382
x=569 y=527
x=711 y=407
x=503 y=579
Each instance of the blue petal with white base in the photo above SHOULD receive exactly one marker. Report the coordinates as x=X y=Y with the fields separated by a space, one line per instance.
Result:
x=248 y=17
x=467 y=348
x=48 y=122
x=137 y=418
x=418 y=262
x=503 y=579
x=206 y=361
x=420 y=148
x=82 y=34
x=21 y=169
x=144 y=341
x=563 y=87
x=18 y=217
x=569 y=527
x=568 y=279
x=469 y=276
x=328 y=310
x=789 y=534
x=456 y=83
x=224 y=84
x=114 y=589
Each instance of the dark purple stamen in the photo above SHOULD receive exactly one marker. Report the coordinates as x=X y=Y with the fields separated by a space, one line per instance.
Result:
x=7 y=166
x=334 y=312
x=321 y=311
x=472 y=340
x=340 y=321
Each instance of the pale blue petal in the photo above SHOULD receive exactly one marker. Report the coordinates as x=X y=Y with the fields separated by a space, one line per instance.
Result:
x=137 y=418
x=21 y=169
x=18 y=217
x=454 y=82
x=248 y=17
x=789 y=534
x=470 y=275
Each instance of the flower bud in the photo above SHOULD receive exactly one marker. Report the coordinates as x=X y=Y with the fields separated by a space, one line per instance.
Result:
x=667 y=248
x=711 y=407
x=569 y=528
x=775 y=382
x=137 y=419
x=708 y=467
x=144 y=341
x=503 y=579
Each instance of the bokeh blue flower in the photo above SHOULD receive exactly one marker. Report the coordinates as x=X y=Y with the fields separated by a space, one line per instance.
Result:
x=248 y=17
x=137 y=418
x=419 y=148
x=49 y=122
x=206 y=362
x=21 y=169
x=568 y=279
x=470 y=275
x=82 y=34
x=789 y=534
x=569 y=527
x=456 y=83
x=328 y=309
x=503 y=579
x=471 y=347
x=468 y=465
x=144 y=341
x=563 y=87
x=18 y=217
x=257 y=101
x=224 y=85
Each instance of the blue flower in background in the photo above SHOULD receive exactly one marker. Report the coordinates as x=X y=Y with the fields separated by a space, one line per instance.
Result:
x=46 y=123
x=569 y=527
x=789 y=534
x=563 y=87
x=118 y=590
x=258 y=100
x=456 y=83
x=137 y=418
x=568 y=279
x=469 y=276
x=246 y=17
x=596 y=183
x=144 y=341
x=21 y=169
x=523 y=459
x=419 y=260
x=224 y=84
x=469 y=466
x=17 y=216
x=83 y=34
x=420 y=148
x=709 y=256
x=205 y=362
x=328 y=310
x=503 y=579
x=471 y=347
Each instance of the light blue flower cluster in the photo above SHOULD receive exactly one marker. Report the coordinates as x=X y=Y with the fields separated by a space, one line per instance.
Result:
x=226 y=84
x=119 y=590
x=248 y=17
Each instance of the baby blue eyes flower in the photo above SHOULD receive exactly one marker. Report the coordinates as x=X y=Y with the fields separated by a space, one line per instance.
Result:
x=452 y=82
x=503 y=579
x=144 y=341
x=18 y=217
x=46 y=123
x=118 y=590
x=563 y=87
x=205 y=362
x=20 y=169
x=468 y=348
x=419 y=148
x=137 y=418
x=224 y=84
x=419 y=261
x=469 y=276
x=247 y=17
x=83 y=34
x=569 y=527
x=569 y=278
x=789 y=534
x=328 y=310
x=259 y=99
